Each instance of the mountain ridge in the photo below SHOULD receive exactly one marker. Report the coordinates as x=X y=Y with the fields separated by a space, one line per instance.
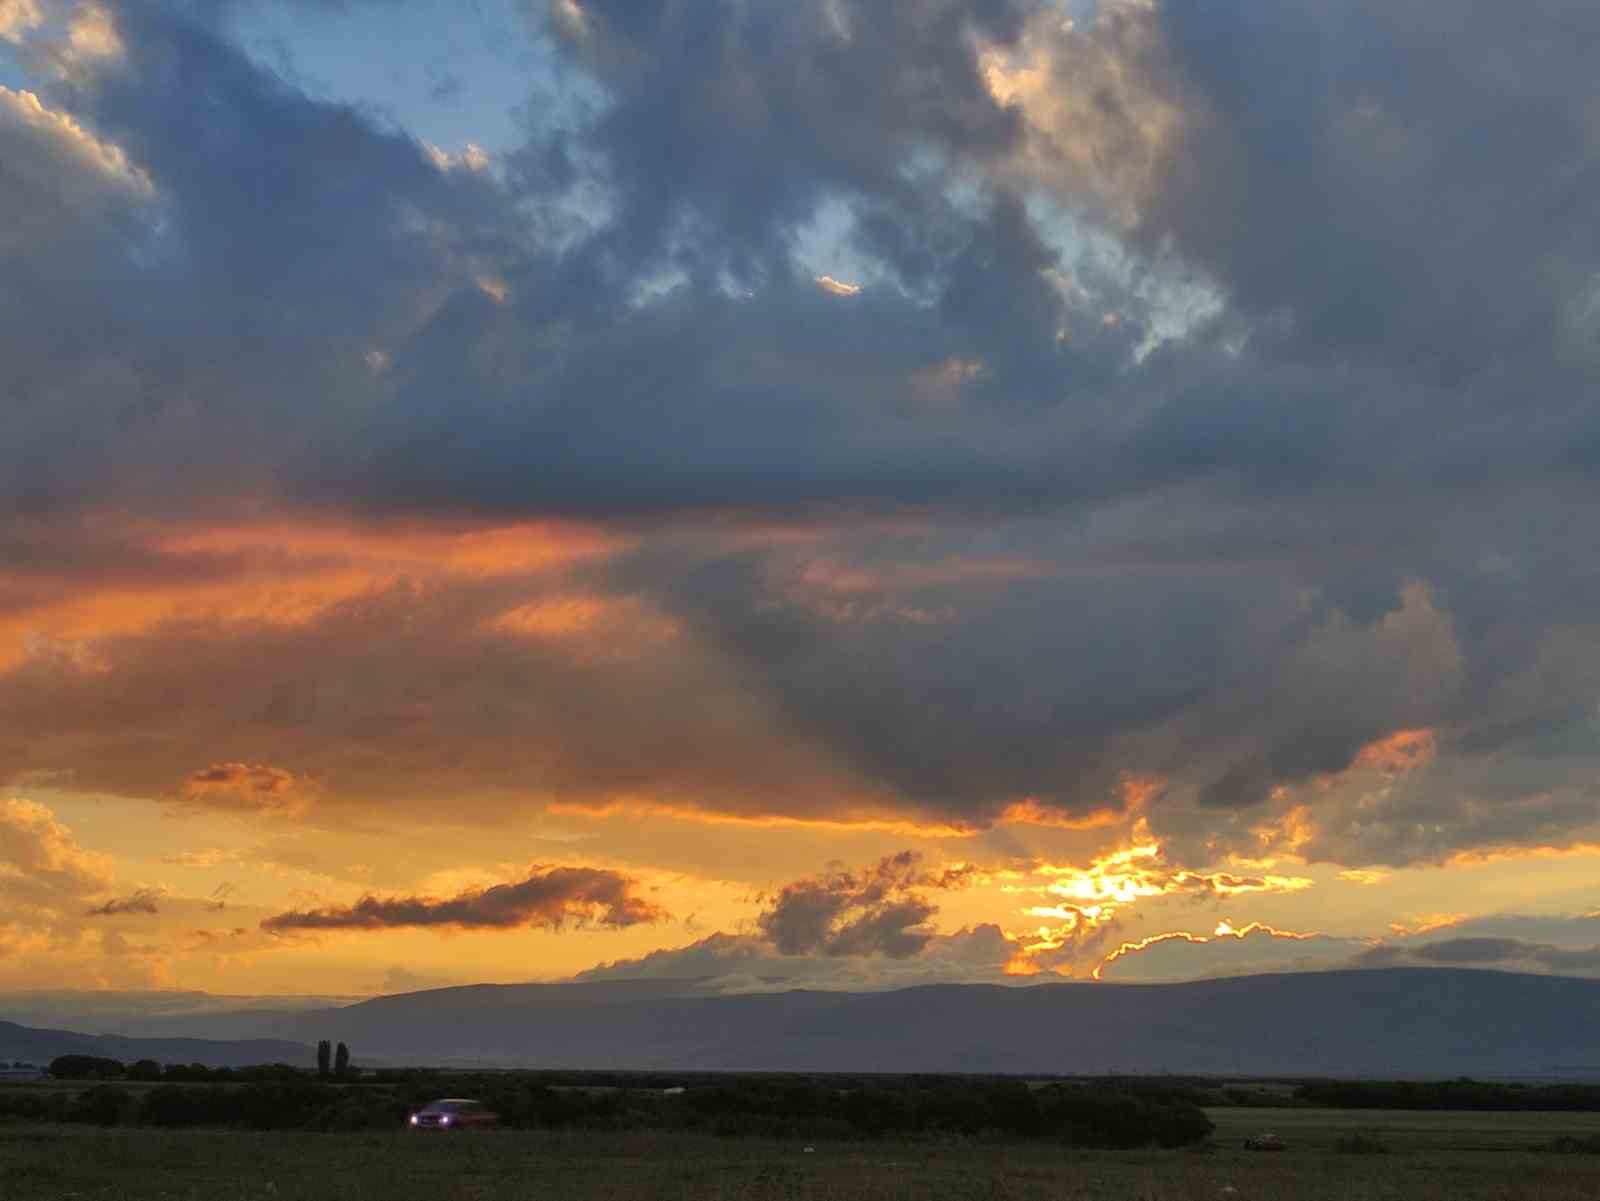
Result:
x=1383 y=1022
x=1386 y=1022
x=39 y=1045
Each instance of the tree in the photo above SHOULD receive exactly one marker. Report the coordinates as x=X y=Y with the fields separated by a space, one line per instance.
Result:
x=341 y=1061
x=144 y=1069
x=324 y=1050
x=85 y=1067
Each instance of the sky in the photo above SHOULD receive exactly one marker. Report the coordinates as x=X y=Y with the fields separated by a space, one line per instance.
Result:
x=832 y=493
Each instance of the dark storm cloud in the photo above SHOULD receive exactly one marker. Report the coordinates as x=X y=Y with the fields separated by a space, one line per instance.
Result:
x=288 y=241
x=1400 y=182
x=719 y=135
x=730 y=119
x=969 y=711
x=1353 y=499
x=549 y=898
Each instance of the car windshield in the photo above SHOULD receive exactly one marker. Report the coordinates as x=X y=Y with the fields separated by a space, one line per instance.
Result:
x=455 y=1106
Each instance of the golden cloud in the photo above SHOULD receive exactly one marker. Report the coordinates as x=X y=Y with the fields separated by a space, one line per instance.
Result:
x=37 y=848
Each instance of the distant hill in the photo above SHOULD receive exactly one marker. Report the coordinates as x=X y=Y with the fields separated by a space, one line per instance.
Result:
x=1388 y=1023
x=32 y=1045
x=155 y=1013
x=1407 y=1022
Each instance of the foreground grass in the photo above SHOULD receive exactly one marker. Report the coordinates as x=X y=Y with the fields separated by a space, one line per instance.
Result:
x=1434 y=1157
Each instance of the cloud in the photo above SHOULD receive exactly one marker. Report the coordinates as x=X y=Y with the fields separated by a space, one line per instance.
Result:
x=253 y=787
x=1211 y=417
x=837 y=287
x=143 y=900
x=17 y=17
x=868 y=928
x=44 y=859
x=400 y=979
x=742 y=963
x=1553 y=944
x=1512 y=954
x=873 y=912
x=549 y=898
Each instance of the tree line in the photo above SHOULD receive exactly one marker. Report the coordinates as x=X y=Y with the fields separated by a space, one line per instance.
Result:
x=331 y=1065
x=1449 y=1094
x=148 y=1071
x=754 y=1106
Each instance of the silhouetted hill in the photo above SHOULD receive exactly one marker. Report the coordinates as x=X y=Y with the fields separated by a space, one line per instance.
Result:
x=32 y=1045
x=1379 y=1023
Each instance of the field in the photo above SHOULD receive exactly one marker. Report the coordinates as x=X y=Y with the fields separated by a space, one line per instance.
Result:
x=1432 y=1157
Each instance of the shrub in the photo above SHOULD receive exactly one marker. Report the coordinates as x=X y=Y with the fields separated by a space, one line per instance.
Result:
x=102 y=1105
x=1360 y=1144
x=1098 y=1117
x=33 y=1106
x=174 y=1105
x=1575 y=1144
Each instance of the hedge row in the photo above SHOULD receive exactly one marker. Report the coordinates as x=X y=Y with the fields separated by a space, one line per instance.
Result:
x=772 y=1108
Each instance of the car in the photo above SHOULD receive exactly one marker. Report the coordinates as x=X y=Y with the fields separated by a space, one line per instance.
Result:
x=453 y=1113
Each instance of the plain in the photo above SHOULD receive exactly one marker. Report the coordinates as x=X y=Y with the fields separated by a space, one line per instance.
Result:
x=1430 y=1157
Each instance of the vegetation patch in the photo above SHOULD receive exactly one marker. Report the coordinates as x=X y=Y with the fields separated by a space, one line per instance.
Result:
x=1575 y=1144
x=1360 y=1144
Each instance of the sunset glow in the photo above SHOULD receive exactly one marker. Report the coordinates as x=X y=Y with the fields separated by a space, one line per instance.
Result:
x=829 y=495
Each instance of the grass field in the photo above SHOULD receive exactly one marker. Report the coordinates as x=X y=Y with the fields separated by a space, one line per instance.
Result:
x=1433 y=1157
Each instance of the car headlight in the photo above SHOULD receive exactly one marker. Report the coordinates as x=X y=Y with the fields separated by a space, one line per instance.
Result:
x=414 y=1121
x=444 y=1121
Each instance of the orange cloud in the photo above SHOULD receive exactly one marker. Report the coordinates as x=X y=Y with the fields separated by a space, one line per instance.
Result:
x=1361 y=875
x=1026 y=812
x=512 y=549
x=1401 y=752
x=837 y=286
x=683 y=813
x=1137 y=791
x=253 y=786
x=1031 y=813
x=282 y=573
x=1427 y=923
x=1086 y=901
x=568 y=615
x=1124 y=876
x=1478 y=858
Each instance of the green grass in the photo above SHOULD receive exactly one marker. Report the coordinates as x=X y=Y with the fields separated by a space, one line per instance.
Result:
x=1435 y=1157
x=1404 y=1130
